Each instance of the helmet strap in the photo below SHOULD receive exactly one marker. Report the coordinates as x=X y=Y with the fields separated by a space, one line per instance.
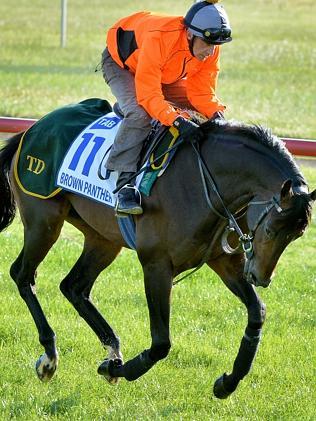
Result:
x=191 y=41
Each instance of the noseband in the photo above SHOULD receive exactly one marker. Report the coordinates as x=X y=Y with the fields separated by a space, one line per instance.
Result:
x=246 y=240
x=248 y=249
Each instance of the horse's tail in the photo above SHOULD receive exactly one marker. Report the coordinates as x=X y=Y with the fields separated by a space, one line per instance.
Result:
x=7 y=202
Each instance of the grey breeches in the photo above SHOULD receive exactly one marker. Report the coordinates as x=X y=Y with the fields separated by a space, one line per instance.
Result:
x=136 y=124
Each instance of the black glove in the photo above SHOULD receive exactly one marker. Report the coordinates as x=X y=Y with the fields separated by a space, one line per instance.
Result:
x=188 y=130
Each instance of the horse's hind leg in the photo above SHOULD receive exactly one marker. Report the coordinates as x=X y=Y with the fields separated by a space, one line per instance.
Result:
x=42 y=224
x=158 y=283
x=230 y=268
x=97 y=254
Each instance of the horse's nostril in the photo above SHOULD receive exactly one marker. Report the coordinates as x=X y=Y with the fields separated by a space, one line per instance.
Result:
x=253 y=280
x=266 y=283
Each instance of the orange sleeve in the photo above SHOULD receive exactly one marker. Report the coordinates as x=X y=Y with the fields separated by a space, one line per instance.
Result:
x=148 y=80
x=201 y=87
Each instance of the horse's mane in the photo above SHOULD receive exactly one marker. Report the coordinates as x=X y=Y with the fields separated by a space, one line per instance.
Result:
x=257 y=137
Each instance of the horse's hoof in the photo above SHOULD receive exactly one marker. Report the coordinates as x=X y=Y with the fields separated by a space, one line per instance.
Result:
x=104 y=369
x=46 y=367
x=219 y=389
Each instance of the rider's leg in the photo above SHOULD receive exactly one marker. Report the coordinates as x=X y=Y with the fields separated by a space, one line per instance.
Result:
x=132 y=133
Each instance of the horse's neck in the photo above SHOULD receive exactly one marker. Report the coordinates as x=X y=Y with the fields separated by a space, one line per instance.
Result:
x=260 y=176
x=249 y=173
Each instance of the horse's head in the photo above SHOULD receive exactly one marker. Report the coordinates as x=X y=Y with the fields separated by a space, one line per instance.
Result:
x=274 y=228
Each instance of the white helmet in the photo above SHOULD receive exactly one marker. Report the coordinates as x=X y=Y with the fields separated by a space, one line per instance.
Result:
x=208 y=21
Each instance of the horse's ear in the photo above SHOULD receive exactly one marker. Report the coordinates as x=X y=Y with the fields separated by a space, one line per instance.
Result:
x=286 y=190
x=312 y=195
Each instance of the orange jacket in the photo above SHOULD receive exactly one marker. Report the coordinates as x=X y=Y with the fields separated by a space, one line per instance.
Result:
x=155 y=48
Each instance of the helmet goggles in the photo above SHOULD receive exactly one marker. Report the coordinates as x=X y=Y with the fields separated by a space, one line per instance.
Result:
x=214 y=35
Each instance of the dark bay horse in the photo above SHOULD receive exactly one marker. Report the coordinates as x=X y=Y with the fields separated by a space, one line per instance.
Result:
x=182 y=226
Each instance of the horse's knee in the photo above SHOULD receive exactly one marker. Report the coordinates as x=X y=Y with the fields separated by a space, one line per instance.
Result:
x=16 y=268
x=159 y=352
x=74 y=293
x=68 y=291
x=22 y=280
x=257 y=315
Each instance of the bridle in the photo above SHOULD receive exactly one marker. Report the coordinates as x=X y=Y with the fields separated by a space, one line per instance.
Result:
x=245 y=240
x=270 y=204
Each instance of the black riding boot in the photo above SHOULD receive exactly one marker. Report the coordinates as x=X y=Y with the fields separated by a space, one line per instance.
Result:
x=128 y=197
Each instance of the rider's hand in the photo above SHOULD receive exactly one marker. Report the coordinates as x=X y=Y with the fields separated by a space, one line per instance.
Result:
x=188 y=130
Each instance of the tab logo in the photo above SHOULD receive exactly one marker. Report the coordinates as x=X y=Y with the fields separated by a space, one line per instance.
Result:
x=36 y=165
x=106 y=123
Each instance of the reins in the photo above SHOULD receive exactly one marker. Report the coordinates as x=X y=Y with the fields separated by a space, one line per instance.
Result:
x=145 y=167
x=206 y=174
x=246 y=240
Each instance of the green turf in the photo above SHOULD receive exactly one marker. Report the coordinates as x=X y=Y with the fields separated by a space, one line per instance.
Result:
x=267 y=77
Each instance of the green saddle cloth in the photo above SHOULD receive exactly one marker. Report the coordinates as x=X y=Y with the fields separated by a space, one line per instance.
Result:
x=44 y=145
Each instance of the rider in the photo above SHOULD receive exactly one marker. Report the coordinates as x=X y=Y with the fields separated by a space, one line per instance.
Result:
x=156 y=66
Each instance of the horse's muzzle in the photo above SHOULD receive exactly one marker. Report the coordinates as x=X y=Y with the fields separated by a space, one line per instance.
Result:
x=253 y=280
x=251 y=277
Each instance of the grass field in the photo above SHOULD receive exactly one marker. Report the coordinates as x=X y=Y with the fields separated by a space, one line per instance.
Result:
x=267 y=74
x=267 y=77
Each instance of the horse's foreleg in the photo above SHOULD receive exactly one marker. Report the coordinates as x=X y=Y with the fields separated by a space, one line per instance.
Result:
x=158 y=284
x=227 y=383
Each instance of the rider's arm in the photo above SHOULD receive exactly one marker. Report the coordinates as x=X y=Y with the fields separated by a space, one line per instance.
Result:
x=148 y=81
x=201 y=86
